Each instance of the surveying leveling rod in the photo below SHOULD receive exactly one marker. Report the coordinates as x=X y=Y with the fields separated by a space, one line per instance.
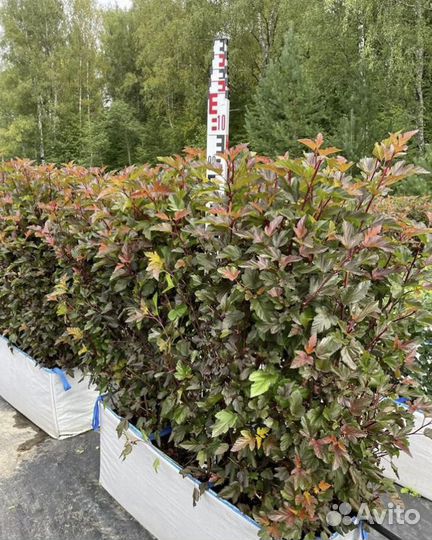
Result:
x=218 y=108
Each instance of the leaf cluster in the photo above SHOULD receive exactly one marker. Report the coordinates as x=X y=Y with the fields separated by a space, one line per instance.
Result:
x=268 y=322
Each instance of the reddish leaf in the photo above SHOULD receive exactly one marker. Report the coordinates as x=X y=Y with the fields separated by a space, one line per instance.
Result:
x=318 y=447
x=230 y=273
x=328 y=151
x=358 y=406
x=373 y=239
x=402 y=445
x=309 y=143
x=302 y=359
x=300 y=229
x=311 y=345
x=273 y=225
x=289 y=259
x=275 y=292
x=324 y=486
x=287 y=515
x=180 y=214
x=352 y=433
x=308 y=502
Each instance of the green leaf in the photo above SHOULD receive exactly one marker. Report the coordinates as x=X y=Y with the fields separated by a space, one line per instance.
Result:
x=156 y=465
x=177 y=312
x=286 y=441
x=183 y=371
x=323 y=320
x=354 y=294
x=263 y=309
x=262 y=380
x=122 y=427
x=226 y=420
x=126 y=450
x=155 y=303
x=181 y=412
x=327 y=346
x=170 y=283
x=370 y=309
x=296 y=404
x=428 y=433
x=351 y=354
x=221 y=449
x=62 y=309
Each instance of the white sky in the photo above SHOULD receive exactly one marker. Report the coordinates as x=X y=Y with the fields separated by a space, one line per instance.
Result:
x=120 y=3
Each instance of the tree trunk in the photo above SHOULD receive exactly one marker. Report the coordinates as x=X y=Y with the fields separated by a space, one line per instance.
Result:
x=266 y=33
x=128 y=149
x=89 y=130
x=80 y=94
x=419 y=74
x=40 y=128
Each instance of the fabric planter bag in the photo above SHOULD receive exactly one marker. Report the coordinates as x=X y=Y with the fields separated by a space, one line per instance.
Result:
x=60 y=405
x=148 y=485
x=415 y=471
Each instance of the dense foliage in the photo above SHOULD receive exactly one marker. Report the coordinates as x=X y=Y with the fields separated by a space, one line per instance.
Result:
x=417 y=209
x=109 y=87
x=268 y=323
x=28 y=265
x=406 y=209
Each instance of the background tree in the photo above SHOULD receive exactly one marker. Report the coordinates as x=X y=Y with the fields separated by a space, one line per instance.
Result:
x=103 y=85
x=286 y=105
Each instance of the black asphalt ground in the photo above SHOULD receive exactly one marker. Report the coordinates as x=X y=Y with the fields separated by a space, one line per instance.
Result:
x=49 y=490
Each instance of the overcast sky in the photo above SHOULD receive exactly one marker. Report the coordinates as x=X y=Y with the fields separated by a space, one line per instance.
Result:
x=119 y=3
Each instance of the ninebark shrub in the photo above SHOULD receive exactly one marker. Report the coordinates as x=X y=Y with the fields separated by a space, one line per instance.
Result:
x=268 y=322
x=28 y=265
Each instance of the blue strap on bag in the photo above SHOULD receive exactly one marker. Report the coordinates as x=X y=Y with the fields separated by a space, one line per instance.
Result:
x=63 y=378
x=363 y=534
x=96 y=413
x=163 y=433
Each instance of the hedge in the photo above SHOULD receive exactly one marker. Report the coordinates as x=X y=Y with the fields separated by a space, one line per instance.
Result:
x=266 y=322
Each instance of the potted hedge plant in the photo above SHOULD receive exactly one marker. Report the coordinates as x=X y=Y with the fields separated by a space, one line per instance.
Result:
x=265 y=325
x=56 y=398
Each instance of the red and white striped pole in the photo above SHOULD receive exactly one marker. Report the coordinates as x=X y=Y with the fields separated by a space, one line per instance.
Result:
x=218 y=107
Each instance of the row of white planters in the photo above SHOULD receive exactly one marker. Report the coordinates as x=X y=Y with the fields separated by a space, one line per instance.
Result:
x=162 y=502
x=161 y=499
x=60 y=405
x=148 y=495
x=63 y=406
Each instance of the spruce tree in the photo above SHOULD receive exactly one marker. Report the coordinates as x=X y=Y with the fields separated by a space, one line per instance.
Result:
x=286 y=105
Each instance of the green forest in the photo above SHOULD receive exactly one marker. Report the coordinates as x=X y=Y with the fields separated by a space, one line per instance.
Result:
x=110 y=86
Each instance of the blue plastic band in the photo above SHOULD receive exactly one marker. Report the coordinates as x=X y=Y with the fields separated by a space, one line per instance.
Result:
x=62 y=375
x=402 y=400
x=363 y=534
x=163 y=433
x=96 y=414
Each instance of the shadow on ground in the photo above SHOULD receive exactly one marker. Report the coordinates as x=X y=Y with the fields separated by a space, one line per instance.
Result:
x=49 y=489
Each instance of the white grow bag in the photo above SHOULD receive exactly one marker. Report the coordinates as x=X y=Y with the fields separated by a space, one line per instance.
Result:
x=414 y=472
x=40 y=394
x=162 y=501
